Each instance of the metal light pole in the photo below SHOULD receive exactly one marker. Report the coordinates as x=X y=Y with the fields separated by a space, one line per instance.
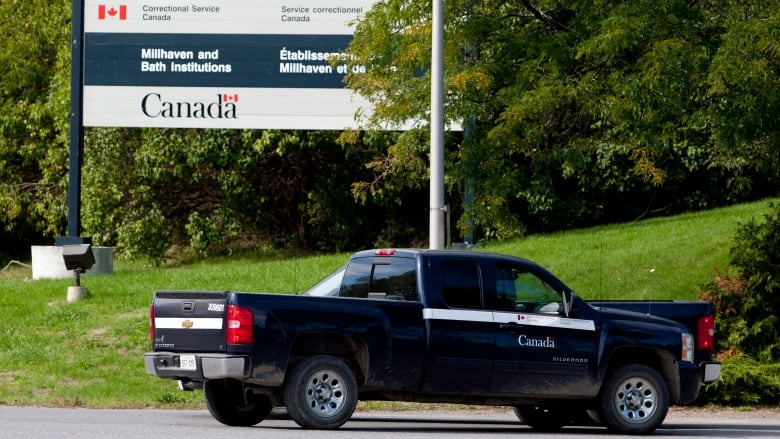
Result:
x=437 y=207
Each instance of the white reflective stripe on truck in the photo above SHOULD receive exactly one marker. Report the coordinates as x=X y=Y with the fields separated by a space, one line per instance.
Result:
x=551 y=321
x=185 y=323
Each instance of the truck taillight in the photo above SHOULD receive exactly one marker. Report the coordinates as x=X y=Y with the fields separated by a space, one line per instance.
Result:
x=705 y=333
x=240 y=325
x=151 y=323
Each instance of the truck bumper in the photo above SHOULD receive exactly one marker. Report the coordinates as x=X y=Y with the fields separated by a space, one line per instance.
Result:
x=196 y=367
x=710 y=371
x=692 y=376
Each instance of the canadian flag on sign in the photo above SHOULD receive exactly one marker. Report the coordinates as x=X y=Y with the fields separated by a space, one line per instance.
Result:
x=228 y=98
x=109 y=12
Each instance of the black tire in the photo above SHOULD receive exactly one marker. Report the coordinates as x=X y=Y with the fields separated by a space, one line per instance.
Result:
x=227 y=404
x=541 y=418
x=321 y=393
x=633 y=400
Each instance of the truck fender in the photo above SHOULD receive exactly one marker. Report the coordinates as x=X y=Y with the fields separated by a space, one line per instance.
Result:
x=350 y=348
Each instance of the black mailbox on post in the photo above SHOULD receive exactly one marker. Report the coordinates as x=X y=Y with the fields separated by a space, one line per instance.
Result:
x=78 y=258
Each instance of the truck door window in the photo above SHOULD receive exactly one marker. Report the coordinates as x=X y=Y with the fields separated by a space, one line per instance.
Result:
x=397 y=280
x=383 y=277
x=460 y=284
x=519 y=290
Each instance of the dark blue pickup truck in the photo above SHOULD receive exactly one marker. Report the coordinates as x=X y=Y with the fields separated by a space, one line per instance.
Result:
x=434 y=326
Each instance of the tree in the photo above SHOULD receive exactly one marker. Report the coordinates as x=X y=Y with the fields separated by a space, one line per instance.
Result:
x=582 y=112
x=34 y=108
x=145 y=190
x=212 y=191
x=578 y=114
x=743 y=85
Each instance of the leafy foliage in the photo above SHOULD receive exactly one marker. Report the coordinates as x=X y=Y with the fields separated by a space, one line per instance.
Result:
x=582 y=113
x=34 y=75
x=743 y=84
x=215 y=191
x=576 y=114
x=747 y=301
x=744 y=382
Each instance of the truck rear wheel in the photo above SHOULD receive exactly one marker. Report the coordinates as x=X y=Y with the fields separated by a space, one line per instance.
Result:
x=321 y=393
x=633 y=400
x=227 y=403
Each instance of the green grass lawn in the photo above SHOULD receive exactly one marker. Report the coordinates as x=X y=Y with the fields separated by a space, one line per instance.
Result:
x=90 y=353
x=661 y=258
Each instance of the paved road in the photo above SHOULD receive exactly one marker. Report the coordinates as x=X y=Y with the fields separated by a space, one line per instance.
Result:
x=48 y=423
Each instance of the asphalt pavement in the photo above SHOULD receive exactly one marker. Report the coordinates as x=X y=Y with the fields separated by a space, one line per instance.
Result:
x=51 y=423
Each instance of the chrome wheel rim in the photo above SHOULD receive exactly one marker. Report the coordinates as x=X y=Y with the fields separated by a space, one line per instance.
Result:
x=325 y=394
x=636 y=400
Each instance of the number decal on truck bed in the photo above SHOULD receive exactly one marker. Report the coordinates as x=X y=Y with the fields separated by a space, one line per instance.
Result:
x=216 y=307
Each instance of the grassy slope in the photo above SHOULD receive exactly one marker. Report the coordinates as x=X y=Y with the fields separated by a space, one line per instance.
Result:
x=89 y=353
x=660 y=258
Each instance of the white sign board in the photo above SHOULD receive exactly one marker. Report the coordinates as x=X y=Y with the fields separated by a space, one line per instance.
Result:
x=219 y=64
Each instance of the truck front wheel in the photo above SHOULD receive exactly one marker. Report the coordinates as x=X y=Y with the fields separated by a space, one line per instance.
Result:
x=321 y=393
x=633 y=400
x=228 y=404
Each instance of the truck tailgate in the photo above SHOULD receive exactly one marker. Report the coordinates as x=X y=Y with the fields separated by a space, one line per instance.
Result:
x=189 y=321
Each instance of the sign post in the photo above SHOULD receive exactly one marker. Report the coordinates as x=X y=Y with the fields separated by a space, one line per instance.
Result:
x=76 y=150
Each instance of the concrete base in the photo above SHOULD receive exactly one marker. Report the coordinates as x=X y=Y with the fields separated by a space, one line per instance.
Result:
x=77 y=293
x=47 y=262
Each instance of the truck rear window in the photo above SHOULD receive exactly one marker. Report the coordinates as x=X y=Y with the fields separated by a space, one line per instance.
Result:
x=390 y=277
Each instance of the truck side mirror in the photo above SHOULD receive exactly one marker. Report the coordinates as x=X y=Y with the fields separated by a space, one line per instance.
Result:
x=567 y=298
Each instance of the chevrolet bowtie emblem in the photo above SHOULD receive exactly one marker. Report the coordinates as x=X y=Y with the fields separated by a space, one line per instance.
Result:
x=187 y=324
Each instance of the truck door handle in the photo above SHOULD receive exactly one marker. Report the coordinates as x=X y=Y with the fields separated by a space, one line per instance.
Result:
x=188 y=306
x=511 y=327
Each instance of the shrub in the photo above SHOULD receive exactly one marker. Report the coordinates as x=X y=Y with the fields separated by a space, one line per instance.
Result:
x=211 y=235
x=744 y=382
x=146 y=237
x=728 y=293
x=746 y=299
x=755 y=253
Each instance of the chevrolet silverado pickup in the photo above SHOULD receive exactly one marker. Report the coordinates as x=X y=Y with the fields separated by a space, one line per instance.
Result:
x=434 y=326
